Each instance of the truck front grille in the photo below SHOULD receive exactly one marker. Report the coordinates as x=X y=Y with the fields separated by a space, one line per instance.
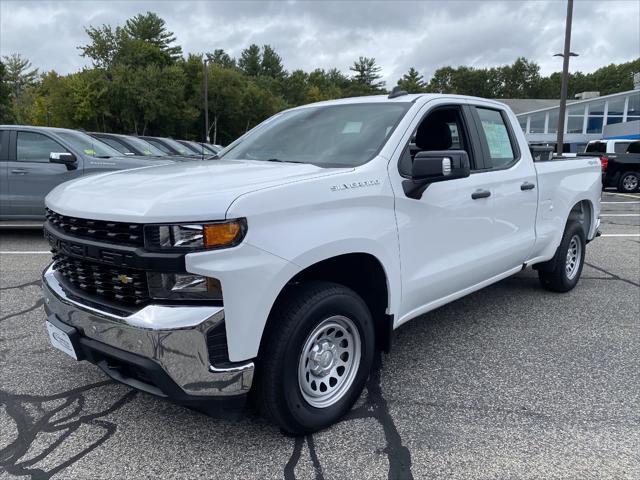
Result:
x=120 y=233
x=122 y=285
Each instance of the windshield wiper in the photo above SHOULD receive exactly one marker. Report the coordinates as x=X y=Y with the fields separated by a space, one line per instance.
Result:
x=281 y=161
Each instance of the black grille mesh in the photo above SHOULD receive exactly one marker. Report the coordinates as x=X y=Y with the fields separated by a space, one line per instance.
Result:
x=217 y=345
x=122 y=285
x=100 y=230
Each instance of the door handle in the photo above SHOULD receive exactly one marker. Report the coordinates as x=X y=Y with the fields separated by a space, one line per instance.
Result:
x=20 y=171
x=527 y=186
x=480 y=194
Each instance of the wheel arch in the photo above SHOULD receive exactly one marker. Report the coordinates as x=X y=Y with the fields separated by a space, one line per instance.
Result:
x=362 y=272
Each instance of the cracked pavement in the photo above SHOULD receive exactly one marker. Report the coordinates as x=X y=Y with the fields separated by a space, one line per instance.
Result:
x=509 y=382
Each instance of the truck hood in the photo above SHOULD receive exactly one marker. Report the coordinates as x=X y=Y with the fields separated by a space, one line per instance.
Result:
x=184 y=192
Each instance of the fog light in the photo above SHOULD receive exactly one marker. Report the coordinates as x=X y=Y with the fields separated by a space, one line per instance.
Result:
x=183 y=286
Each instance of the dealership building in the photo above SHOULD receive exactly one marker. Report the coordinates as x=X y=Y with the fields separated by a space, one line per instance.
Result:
x=589 y=117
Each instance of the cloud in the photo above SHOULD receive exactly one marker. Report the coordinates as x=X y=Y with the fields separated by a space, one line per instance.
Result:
x=315 y=34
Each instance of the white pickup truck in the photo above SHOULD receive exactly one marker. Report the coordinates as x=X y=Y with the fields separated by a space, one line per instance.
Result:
x=280 y=268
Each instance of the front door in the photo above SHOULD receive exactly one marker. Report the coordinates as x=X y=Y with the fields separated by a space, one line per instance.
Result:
x=454 y=237
x=30 y=174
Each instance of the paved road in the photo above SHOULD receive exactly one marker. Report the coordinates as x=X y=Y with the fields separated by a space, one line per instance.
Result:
x=510 y=382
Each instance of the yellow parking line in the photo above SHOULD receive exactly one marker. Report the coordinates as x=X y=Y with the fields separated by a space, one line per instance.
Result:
x=627 y=195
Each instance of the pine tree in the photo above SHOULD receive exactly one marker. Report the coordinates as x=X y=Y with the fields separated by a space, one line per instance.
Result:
x=412 y=82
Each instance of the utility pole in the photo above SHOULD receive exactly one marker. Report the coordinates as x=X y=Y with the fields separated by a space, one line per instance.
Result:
x=565 y=76
x=206 y=100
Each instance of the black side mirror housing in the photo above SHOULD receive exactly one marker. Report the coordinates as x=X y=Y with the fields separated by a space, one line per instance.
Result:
x=65 y=158
x=435 y=166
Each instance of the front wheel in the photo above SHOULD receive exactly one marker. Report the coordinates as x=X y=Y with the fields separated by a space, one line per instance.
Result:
x=562 y=273
x=629 y=182
x=315 y=357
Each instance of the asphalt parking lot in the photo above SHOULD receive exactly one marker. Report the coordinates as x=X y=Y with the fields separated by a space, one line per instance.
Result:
x=510 y=382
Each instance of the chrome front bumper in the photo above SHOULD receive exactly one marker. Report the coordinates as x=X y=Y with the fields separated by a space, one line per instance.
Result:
x=173 y=337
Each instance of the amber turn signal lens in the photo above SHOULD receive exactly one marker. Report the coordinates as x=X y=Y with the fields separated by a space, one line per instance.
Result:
x=221 y=234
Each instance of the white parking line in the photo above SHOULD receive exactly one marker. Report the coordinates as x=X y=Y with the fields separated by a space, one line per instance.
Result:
x=620 y=214
x=33 y=252
x=619 y=203
x=620 y=235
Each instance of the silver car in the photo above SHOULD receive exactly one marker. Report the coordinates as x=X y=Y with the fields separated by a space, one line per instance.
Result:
x=33 y=160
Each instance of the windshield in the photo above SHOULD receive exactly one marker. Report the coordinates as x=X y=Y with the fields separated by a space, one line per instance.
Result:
x=145 y=147
x=177 y=146
x=89 y=145
x=328 y=136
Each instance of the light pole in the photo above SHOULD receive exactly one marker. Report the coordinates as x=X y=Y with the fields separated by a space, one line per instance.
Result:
x=207 y=59
x=565 y=76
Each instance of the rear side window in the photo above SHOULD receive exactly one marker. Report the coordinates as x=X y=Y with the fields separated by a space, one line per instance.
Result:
x=620 y=147
x=35 y=147
x=497 y=137
x=596 y=147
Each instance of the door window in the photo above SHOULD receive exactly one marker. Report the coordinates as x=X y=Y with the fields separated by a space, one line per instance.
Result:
x=441 y=129
x=496 y=135
x=35 y=147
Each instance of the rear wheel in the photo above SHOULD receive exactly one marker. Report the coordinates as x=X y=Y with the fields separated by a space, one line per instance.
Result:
x=315 y=357
x=562 y=272
x=629 y=182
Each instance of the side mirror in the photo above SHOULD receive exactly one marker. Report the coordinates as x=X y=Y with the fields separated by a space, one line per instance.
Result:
x=435 y=166
x=65 y=158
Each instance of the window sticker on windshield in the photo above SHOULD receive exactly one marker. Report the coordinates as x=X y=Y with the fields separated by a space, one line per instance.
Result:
x=88 y=151
x=352 y=127
x=498 y=140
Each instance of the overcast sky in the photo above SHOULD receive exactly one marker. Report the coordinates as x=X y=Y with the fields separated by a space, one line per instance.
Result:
x=314 y=34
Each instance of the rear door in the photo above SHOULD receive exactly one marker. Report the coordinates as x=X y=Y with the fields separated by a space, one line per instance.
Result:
x=510 y=177
x=5 y=207
x=30 y=174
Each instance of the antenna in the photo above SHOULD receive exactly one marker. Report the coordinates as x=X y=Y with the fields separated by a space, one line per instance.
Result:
x=397 y=92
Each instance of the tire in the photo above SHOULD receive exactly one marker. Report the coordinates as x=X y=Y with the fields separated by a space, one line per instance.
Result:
x=629 y=182
x=559 y=274
x=291 y=359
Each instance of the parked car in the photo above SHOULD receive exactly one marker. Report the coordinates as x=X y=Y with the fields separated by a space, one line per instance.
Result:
x=622 y=170
x=170 y=146
x=129 y=144
x=596 y=147
x=199 y=148
x=281 y=267
x=33 y=160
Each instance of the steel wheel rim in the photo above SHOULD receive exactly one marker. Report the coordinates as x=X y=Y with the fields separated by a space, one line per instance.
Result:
x=630 y=182
x=574 y=256
x=329 y=361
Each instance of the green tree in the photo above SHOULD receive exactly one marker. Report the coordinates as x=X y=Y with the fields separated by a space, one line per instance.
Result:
x=271 y=63
x=20 y=76
x=367 y=76
x=412 y=82
x=151 y=29
x=250 y=61
x=6 y=111
x=222 y=58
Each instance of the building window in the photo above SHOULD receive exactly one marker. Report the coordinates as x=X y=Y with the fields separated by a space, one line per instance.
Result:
x=536 y=122
x=523 y=123
x=633 y=109
x=615 y=110
x=575 y=119
x=595 y=119
x=552 y=126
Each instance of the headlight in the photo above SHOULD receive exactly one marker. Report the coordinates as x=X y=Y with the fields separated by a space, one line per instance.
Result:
x=195 y=236
x=183 y=286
